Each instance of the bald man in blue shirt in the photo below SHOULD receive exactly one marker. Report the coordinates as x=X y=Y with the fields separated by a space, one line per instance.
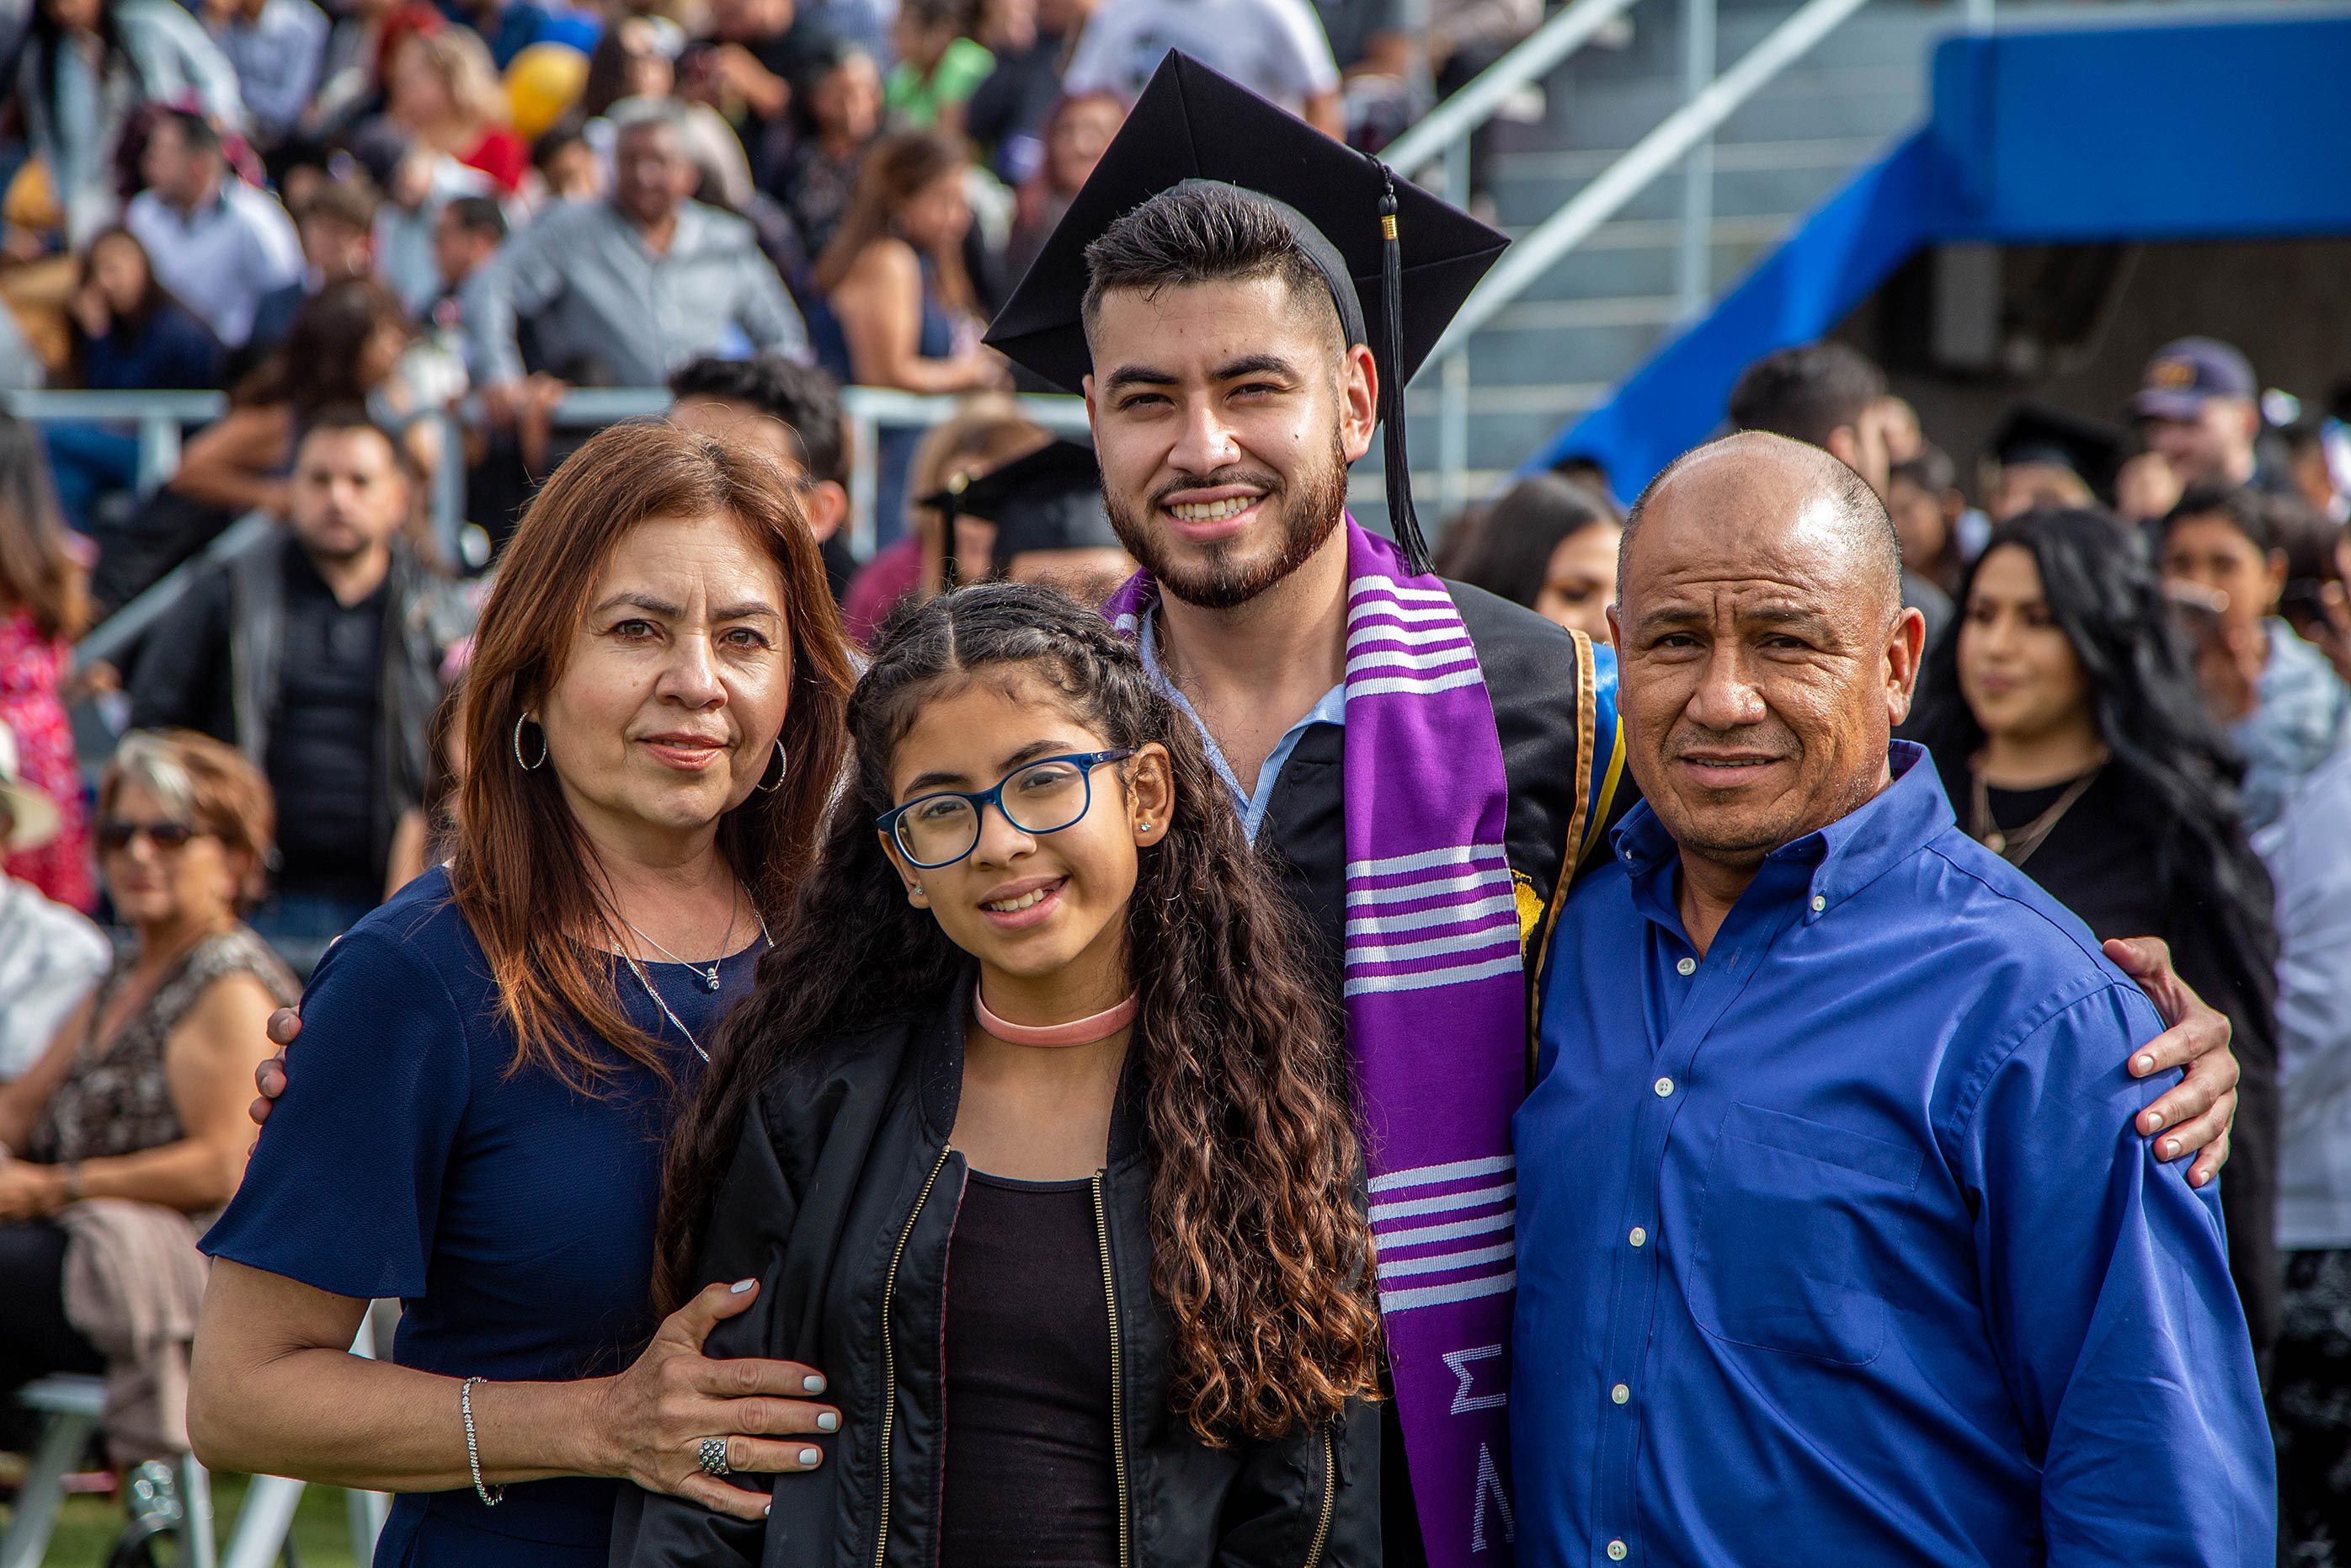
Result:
x=1835 y=1240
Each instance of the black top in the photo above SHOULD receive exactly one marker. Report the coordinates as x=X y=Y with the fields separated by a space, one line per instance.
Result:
x=2107 y=860
x=1012 y=105
x=1028 y=1479
x=842 y=1199
x=321 y=761
x=2099 y=861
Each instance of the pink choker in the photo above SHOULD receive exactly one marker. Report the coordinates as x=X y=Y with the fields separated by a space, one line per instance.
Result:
x=1077 y=1031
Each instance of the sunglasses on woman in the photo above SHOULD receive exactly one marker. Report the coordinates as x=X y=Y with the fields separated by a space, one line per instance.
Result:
x=1041 y=797
x=115 y=834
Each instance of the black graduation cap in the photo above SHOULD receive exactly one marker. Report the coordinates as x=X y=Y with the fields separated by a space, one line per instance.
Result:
x=2034 y=432
x=1377 y=240
x=1048 y=499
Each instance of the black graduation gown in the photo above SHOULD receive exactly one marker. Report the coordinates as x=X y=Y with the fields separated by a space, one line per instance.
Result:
x=1534 y=678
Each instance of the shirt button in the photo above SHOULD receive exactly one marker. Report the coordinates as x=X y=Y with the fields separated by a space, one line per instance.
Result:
x=1665 y=1087
x=1615 y=1552
x=1687 y=966
x=1819 y=904
x=1620 y=1394
x=1639 y=1238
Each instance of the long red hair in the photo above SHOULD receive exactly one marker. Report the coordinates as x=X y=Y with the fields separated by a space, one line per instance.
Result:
x=522 y=872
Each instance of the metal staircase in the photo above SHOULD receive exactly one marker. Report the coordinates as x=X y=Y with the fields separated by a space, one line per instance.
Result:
x=1589 y=318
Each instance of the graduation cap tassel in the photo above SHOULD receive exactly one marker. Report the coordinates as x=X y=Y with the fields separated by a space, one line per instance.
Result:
x=1401 y=520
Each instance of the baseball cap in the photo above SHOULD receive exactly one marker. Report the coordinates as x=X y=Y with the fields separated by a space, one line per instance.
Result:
x=2185 y=374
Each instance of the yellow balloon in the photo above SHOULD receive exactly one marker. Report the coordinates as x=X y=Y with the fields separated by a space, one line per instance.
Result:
x=543 y=81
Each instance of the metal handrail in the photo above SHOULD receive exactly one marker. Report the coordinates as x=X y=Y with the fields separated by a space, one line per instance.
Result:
x=1530 y=58
x=160 y=414
x=1539 y=251
x=119 y=631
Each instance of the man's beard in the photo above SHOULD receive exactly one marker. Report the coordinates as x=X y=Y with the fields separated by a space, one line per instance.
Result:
x=1307 y=515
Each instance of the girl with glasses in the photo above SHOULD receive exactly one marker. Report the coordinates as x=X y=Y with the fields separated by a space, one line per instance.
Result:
x=1031 y=1137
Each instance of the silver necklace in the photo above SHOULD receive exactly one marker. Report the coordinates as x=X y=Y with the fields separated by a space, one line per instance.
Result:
x=647 y=982
x=709 y=975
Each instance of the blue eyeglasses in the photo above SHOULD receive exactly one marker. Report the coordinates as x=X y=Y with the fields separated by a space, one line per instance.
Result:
x=1041 y=797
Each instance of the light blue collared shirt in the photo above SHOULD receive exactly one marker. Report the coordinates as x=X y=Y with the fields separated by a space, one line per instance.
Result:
x=1330 y=708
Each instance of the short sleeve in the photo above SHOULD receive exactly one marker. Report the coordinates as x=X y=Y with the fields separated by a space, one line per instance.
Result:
x=1299 y=55
x=345 y=1182
x=1094 y=64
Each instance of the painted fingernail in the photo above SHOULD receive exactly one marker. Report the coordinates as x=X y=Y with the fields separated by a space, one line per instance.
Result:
x=810 y=1455
x=828 y=1422
x=739 y=1286
x=2170 y=1145
x=813 y=1382
x=2146 y=1064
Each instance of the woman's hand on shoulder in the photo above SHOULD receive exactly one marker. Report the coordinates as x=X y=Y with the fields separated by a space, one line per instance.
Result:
x=653 y=1418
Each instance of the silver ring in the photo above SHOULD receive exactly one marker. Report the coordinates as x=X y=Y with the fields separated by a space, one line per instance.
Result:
x=712 y=1455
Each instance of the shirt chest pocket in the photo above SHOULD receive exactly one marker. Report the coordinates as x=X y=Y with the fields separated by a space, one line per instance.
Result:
x=1791 y=1222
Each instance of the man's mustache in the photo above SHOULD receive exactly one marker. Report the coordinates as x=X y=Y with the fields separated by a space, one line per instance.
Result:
x=1231 y=475
x=1775 y=745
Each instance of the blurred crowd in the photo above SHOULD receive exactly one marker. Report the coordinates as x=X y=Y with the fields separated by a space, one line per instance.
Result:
x=399 y=205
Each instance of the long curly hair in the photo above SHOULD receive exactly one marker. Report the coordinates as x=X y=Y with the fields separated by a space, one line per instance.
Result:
x=1261 y=1251
x=2178 y=768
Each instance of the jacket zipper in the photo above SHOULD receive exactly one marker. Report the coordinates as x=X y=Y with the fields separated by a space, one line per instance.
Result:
x=889 y=1353
x=1330 y=1502
x=1117 y=1377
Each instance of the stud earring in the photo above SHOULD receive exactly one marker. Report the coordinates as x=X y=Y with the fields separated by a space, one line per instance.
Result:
x=1143 y=826
x=916 y=896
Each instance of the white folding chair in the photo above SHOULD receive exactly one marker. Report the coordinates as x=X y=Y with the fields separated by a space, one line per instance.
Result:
x=69 y=1407
x=266 y=1518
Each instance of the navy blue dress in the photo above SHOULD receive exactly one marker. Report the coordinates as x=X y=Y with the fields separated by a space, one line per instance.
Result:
x=512 y=1217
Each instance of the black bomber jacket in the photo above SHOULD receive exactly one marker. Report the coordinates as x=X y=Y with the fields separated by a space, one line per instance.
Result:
x=840 y=1201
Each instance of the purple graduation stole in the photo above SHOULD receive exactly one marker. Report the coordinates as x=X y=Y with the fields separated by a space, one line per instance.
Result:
x=1437 y=1030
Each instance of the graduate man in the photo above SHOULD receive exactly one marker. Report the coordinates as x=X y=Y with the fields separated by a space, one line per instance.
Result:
x=1425 y=764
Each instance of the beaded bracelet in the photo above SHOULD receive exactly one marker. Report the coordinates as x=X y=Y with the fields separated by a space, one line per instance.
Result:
x=491 y=1496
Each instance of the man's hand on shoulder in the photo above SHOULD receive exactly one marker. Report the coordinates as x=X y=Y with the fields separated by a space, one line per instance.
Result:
x=269 y=1078
x=2195 y=1115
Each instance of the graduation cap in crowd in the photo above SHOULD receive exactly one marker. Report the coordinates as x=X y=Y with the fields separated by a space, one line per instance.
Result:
x=1398 y=261
x=2038 y=432
x=1049 y=500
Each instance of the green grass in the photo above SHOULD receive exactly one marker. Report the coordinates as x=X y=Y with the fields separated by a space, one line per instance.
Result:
x=89 y=1526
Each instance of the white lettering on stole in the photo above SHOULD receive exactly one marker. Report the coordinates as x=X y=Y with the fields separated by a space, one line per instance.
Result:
x=1457 y=1361
x=1490 y=1484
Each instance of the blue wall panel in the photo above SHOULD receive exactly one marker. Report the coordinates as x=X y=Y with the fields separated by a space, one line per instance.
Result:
x=2230 y=130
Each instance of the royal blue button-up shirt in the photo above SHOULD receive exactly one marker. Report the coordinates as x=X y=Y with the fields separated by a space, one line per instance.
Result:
x=1836 y=1244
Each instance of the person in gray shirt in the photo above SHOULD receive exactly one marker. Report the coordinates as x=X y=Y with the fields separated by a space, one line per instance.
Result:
x=622 y=291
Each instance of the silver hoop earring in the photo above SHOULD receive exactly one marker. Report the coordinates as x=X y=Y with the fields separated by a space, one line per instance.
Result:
x=783 y=766
x=521 y=719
